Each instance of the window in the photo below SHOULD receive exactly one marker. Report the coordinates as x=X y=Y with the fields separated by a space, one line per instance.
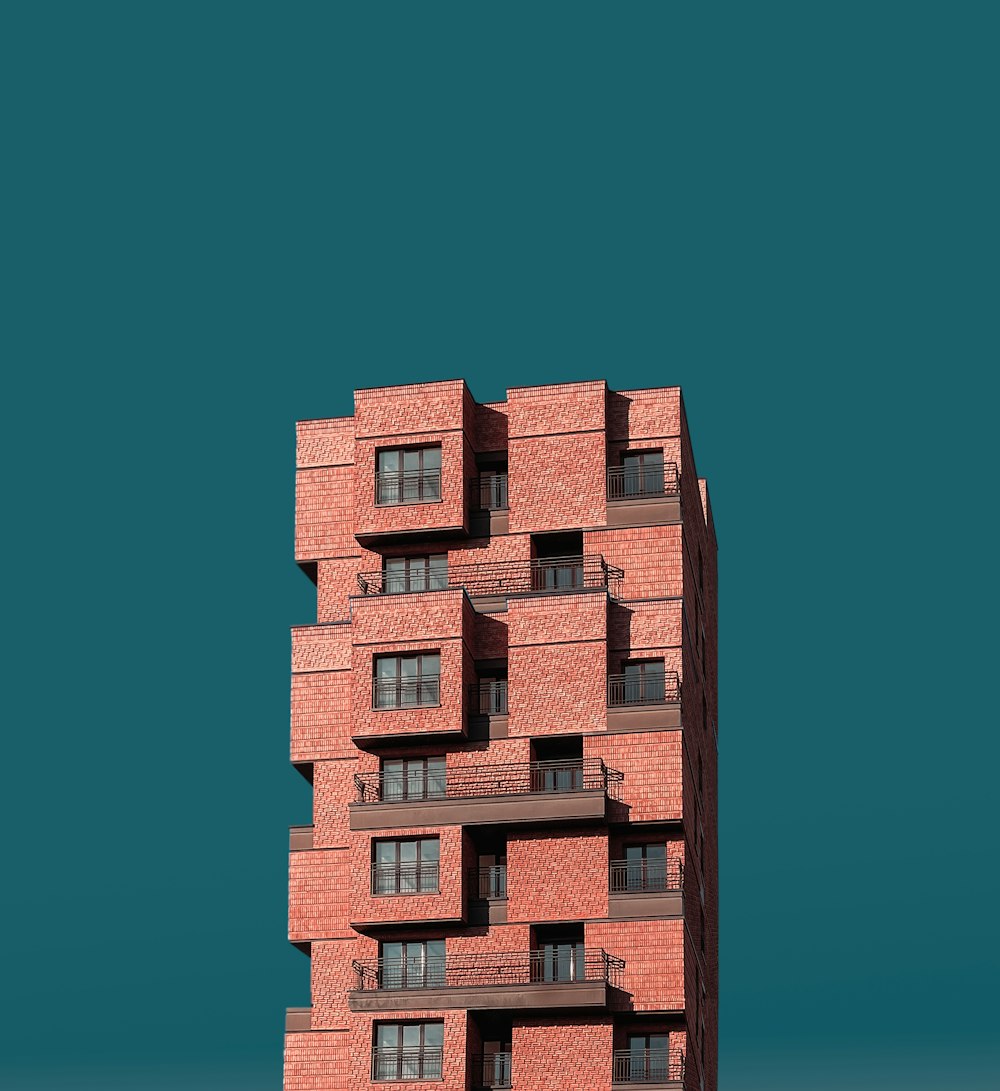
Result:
x=560 y=958
x=409 y=475
x=426 y=573
x=642 y=473
x=646 y=866
x=412 y=778
x=412 y=964
x=645 y=681
x=408 y=1051
x=407 y=681
x=648 y=1058
x=406 y=867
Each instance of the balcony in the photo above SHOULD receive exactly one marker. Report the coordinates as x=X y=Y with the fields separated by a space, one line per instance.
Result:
x=648 y=1068
x=395 y=487
x=489 y=505
x=487 y=888
x=391 y=693
x=646 y=888
x=487 y=706
x=400 y=878
x=499 y=580
x=488 y=698
x=491 y=1072
x=488 y=981
x=641 y=496
x=650 y=701
x=534 y=792
x=407 y=1064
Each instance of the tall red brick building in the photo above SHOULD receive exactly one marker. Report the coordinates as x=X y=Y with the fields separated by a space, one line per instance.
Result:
x=507 y=712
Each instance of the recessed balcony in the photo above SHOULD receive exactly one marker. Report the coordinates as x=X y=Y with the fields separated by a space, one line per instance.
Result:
x=487 y=709
x=649 y=701
x=489 y=504
x=499 y=580
x=650 y=1069
x=646 y=888
x=643 y=495
x=491 y=1071
x=395 y=487
x=487 y=888
x=488 y=981
x=533 y=792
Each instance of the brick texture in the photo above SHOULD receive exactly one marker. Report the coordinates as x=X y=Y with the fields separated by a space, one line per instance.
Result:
x=559 y=649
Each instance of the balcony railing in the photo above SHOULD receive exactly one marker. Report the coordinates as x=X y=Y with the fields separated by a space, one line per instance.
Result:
x=407 y=487
x=489 y=968
x=552 y=574
x=491 y=1071
x=638 y=482
x=470 y=781
x=649 y=689
x=490 y=492
x=488 y=698
x=488 y=884
x=638 y=1066
x=405 y=692
x=645 y=876
x=407 y=1064
x=392 y=878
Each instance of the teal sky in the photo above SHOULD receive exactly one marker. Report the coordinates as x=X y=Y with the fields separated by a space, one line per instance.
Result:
x=221 y=217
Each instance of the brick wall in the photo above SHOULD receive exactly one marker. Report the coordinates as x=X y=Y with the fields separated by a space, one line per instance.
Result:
x=557 y=875
x=559 y=440
x=447 y=904
x=558 y=664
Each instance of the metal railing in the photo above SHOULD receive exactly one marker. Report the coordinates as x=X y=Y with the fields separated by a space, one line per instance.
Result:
x=407 y=1064
x=469 y=781
x=488 y=884
x=407 y=487
x=490 y=493
x=491 y=1071
x=405 y=692
x=645 y=876
x=647 y=1066
x=648 y=689
x=488 y=698
x=416 y=878
x=551 y=574
x=636 y=482
x=489 y=968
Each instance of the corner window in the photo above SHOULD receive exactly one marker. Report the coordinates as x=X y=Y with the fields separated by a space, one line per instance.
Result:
x=408 y=1051
x=428 y=572
x=406 y=867
x=407 y=681
x=408 y=475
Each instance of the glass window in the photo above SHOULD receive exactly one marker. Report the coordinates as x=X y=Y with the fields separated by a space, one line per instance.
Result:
x=645 y=681
x=406 y=867
x=648 y=1058
x=407 y=681
x=408 y=1051
x=646 y=866
x=408 y=475
x=642 y=473
x=413 y=778
x=412 y=964
x=423 y=573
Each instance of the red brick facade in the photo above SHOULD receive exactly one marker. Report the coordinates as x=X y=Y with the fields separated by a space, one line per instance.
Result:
x=507 y=710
